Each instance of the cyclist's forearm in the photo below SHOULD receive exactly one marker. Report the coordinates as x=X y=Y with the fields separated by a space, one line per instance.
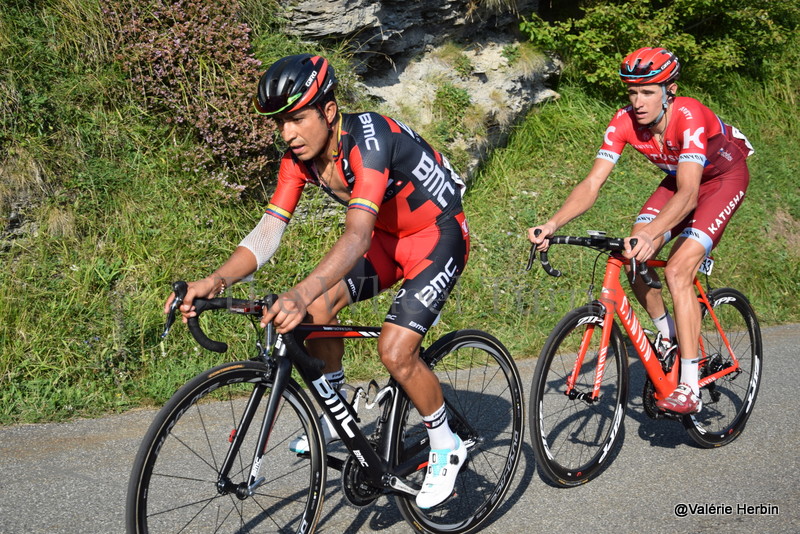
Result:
x=342 y=257
x=578 y=202
x=681 y=204
x=584 y=195
x=240 y=265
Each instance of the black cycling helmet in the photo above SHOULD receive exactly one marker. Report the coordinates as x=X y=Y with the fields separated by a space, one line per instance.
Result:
x=294 y=82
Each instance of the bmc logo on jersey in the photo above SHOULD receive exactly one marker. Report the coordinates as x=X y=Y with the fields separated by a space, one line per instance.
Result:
x=369 y=132
x=434 y=179
x=438 y=286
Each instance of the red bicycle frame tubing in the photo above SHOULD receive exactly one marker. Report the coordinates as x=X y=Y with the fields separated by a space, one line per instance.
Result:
x=616 y=302
x=703 y=298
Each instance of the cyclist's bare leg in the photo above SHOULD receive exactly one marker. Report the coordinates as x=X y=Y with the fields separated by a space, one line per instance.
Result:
x=650 y=298
x=682 y=265
x=399 y=351
x=323 y=311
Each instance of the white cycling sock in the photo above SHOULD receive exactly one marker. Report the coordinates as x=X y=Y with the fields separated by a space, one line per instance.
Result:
x=439 y=433
x=689 y=374
x=665 y=325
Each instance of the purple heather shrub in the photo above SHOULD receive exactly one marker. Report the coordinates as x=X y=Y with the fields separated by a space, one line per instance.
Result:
x=192 y=62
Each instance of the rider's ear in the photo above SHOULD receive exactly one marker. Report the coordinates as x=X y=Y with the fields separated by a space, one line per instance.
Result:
x=330 y=109
x=672 y=89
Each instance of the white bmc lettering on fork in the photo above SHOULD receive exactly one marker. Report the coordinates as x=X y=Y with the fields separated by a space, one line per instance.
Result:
x=433 y=178
x=336 y=404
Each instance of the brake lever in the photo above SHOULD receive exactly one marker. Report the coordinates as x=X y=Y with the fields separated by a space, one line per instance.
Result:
x=531 y=257
x=179 y=288
x=270 y=335
x=642 y=270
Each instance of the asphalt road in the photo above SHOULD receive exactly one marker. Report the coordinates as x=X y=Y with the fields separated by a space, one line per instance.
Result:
x=71 y=477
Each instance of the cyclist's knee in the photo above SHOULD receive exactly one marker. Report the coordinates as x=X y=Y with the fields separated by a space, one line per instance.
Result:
x=399 y=351
x=397 y=359
x=679 y=274
x=325 y=308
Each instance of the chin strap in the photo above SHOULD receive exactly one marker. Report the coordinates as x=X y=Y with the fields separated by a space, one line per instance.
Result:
x=664 y=95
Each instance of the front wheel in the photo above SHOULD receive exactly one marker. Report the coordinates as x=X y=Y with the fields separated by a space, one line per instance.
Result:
x=574 y=434
x=728 y=401
x=483 y=395
x=175 y=484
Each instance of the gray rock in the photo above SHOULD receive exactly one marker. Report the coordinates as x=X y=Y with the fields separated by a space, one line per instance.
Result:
x=399 y=56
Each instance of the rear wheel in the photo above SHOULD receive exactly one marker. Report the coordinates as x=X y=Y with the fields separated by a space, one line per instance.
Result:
x=729 y=400
x=483 y=395
x=574 y=435
x=174 y=484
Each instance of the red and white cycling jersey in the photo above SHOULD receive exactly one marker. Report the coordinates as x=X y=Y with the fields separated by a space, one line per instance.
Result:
x=694 y=133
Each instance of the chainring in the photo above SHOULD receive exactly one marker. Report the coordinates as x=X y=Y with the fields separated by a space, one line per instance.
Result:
x=649 y=403
x=358 y=492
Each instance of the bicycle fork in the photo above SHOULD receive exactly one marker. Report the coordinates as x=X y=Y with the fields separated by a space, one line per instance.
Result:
x=243 y=490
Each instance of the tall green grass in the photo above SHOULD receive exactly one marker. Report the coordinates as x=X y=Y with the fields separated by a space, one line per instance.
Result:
x=118 y=218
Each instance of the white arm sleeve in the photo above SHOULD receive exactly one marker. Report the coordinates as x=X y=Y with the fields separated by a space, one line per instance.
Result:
x=263 y=241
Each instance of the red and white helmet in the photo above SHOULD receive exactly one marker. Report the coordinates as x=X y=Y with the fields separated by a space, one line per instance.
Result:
x=650 y=65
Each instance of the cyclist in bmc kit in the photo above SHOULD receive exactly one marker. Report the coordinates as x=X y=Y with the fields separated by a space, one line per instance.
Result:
x=707 y=176
x=404 y=222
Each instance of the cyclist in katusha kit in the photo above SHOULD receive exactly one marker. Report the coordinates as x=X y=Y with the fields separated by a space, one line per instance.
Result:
x=404 y=221
x=706 y=178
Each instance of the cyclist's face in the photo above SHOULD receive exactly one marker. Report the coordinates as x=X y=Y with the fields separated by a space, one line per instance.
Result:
x=646 y=101
x=304 y=132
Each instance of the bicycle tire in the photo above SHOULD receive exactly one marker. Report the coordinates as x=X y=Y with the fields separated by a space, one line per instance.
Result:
x=481 y=384
x=173 y=484
x=574 y=439
x=727 y=402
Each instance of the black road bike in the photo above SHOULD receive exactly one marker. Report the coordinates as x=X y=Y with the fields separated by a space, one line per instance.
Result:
x=216 y=457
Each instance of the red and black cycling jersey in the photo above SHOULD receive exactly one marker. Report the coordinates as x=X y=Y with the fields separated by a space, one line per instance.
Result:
x=694 y=133
x=389 y=170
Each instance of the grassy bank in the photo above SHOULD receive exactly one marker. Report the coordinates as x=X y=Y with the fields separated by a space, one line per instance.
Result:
x=117 y=217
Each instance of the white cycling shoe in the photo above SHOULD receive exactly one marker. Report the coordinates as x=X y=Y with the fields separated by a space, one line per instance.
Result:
x=440 y=479
x=299 y=444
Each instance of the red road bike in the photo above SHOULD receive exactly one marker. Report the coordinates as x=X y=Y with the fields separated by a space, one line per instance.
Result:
x=580 y=386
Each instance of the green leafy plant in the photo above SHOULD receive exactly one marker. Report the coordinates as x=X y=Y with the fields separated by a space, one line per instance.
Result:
x=711 y=37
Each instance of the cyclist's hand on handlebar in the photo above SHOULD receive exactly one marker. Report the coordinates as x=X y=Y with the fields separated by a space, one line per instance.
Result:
x=200 y=289
x=644 y=249
x=287 y=312
x=538 y=235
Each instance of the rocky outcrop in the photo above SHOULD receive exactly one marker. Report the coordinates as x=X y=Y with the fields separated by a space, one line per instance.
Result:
x=400 y=58
x=383 y=30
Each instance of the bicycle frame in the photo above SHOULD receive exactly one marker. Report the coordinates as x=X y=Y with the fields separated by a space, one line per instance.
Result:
x=288 y=353
x=616 y=304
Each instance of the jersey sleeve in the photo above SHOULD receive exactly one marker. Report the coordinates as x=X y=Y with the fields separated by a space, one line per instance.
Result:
x=615 y=137
x=291 y=181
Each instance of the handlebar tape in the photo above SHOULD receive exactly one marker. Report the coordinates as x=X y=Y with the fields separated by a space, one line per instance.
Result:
x=194 y=325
